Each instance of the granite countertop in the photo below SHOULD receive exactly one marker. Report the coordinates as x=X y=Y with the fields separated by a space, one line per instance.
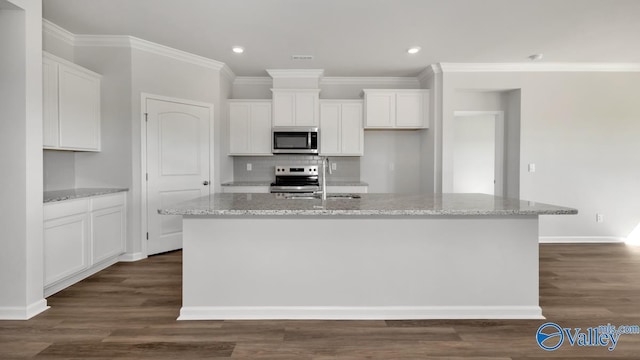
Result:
x=61 y=195
x=247 y=183
x=268 y=183
x=369 y=204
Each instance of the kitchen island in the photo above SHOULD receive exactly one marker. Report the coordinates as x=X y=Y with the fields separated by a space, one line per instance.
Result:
x=380 y=256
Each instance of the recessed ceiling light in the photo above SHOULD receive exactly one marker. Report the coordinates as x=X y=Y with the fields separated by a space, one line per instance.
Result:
x=238 y=49
x=536 y=57
x=414 y=50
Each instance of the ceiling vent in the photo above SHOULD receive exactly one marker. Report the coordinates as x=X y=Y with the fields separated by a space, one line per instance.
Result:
x=301 y=57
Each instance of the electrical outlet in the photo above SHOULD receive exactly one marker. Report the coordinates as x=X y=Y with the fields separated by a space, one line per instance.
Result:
x=599 y=218
x=249 y=167
x=392 y=166
x=334 y=166
x=532 y=168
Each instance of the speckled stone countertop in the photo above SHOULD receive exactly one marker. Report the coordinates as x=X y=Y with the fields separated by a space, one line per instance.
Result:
x=369 y=204
x=61 y=195
x=268 y=183
x=247 y=183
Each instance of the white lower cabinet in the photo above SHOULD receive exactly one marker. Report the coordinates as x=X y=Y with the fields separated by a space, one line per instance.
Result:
x=82 y=237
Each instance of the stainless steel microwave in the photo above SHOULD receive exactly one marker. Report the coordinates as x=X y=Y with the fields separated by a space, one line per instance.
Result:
x=295 y=140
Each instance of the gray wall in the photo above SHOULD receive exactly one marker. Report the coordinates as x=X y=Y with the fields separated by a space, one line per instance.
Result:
x=581 y=130
x=59 y=170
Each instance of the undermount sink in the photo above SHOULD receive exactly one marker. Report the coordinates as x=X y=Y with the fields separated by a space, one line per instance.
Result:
x=319 y=196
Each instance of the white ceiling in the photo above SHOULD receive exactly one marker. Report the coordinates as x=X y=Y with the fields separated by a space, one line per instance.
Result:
x=366 y=37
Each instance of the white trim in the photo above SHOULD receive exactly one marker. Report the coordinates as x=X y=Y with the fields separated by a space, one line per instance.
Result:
x=72 y=65
x=296 y=73
x=58 y=32
x=580 y=239
x=23 y=312
x=338 y=80
x=144 y=226
x=430 y=71
x=253 y=80
x=135 y=43
x=369 y=80
x=358 y=312
x=539 y=67
x=131 y=257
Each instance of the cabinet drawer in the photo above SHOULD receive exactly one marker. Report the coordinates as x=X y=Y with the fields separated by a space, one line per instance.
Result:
x=107 y=201
x=65 y=208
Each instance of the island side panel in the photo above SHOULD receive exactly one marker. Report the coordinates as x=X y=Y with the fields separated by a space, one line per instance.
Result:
x=360 y=267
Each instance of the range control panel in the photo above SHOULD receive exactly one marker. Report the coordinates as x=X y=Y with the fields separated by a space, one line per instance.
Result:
x=297 y=170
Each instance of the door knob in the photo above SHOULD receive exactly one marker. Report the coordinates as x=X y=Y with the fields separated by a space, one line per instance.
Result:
x=205 y=183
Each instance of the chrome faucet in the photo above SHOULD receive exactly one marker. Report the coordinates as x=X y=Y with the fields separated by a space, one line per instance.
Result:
x=325 y=163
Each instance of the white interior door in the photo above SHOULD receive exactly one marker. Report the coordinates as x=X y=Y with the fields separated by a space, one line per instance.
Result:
x=178 y=166
x=477 y=153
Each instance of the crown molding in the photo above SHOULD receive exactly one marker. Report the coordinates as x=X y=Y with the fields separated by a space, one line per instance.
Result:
x=429 y=72
x=253 y=80
x=370 y=80
x=138 y=44
x=58 y=32
x=296 y=73
x=337 y=80
x=539 y=67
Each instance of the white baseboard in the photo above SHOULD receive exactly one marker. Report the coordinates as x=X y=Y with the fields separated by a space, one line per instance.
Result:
x=130 y=257
x=358 y=313
x=23 y=312
x=579 y=239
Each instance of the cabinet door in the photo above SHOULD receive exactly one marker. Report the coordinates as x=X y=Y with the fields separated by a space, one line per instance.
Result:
x=410 y=109
x=65 y=247
x=107 y=233
x=79 y=109
x=306 y=109
x=380 y=109
x=239 y=124
x=284 y=108
x=352 y=133
x=330 y=129
x=50 y=103
x=260 y=129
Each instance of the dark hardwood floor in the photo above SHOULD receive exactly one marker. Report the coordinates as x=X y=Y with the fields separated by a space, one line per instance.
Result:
x=129 y=312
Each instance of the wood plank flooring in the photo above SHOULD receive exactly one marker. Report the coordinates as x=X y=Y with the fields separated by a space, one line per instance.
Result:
x=129 y=312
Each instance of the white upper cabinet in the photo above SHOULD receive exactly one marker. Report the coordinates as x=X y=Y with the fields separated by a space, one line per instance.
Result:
x=396 y=109
x=341 y=130
x=250 y=127
x=71 y=106
x=295 y=107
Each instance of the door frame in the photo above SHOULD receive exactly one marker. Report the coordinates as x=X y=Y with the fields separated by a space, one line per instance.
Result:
x=144 y=228
x=498 y=188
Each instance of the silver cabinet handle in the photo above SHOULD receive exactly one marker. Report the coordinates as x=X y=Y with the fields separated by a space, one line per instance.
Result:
x=205 y=183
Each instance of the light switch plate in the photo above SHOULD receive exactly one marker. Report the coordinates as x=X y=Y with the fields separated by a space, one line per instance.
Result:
x=532 y=168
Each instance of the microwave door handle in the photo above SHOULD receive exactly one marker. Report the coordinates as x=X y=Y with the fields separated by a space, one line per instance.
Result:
x=309 y=141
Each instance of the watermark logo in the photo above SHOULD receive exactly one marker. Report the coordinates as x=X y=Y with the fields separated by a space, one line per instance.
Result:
x=550 y=336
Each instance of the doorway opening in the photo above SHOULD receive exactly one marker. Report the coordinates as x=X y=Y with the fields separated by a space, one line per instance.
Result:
x=478 y=152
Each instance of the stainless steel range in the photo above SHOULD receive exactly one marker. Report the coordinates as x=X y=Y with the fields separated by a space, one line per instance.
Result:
x=296 y=179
